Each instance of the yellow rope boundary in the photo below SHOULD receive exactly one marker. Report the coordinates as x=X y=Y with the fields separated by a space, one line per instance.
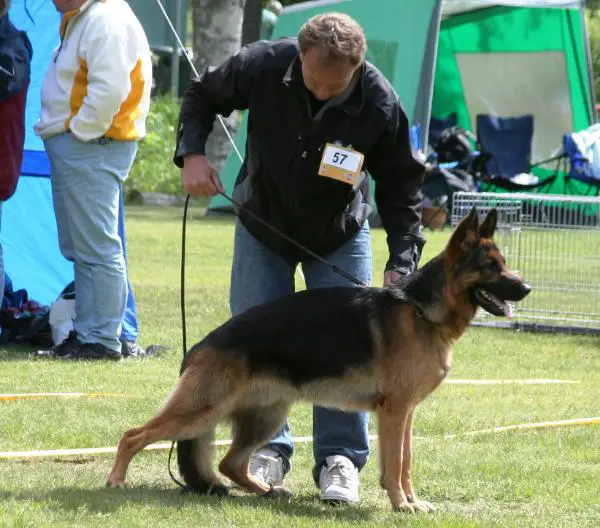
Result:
x=41 y=395
x=25 y=455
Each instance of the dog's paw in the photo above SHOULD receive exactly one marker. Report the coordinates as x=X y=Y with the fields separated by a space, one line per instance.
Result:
x=419 y=505
x=278 y=492
x=423 y=506
x=116 y=483
x=405 y=507
x=214 y=490
x=218 y=490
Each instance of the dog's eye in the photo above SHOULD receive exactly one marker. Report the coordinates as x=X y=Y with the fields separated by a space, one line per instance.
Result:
x=493 y=265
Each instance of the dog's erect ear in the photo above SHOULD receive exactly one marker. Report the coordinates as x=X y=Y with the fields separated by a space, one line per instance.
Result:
x=466 y=234
x=488 y=226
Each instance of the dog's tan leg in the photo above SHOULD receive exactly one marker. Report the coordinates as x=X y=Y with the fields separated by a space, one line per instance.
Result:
x=406 y=476
x=252 y=428
x=392 y=417
x=165 y=426
x=198 y=403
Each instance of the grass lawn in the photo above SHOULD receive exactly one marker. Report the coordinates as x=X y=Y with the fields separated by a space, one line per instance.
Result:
x=539 y=478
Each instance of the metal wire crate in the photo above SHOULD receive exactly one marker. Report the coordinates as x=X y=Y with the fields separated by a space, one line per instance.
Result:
x=553 y=241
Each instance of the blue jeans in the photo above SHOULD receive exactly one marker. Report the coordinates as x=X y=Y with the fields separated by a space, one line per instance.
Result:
x=259 y=275
x=86 y=184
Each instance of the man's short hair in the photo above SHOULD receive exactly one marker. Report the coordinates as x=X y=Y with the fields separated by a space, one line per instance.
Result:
x=336 y=33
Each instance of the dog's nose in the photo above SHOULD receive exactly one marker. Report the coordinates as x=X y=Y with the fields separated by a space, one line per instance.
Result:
x=525 y=289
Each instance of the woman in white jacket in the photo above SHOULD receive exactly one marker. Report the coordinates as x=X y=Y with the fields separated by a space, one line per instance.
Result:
x=95 y=101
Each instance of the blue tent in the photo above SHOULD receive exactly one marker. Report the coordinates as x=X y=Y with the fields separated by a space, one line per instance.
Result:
x=29 y=239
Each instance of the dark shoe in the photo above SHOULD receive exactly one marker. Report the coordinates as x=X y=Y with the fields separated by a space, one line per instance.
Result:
x=132 y=349
x=68 y=347
x=96 y=351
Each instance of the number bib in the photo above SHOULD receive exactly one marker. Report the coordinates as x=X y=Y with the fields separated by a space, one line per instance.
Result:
x=341 y=163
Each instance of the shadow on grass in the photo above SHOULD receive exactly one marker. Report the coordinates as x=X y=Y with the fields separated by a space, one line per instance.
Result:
x=19 y=352
x=105 y=501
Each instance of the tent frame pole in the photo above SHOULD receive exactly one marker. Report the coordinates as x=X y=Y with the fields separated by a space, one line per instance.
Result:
x=588 y=59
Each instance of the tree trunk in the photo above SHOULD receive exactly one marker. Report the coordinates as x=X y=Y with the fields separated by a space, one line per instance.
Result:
x=252 y=21
x=217 y=35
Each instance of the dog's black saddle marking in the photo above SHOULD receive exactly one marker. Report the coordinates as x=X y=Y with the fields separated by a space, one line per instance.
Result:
x=308 y=335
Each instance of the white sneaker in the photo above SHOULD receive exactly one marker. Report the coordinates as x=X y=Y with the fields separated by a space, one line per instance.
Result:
x=338 y=480
x=267 y=466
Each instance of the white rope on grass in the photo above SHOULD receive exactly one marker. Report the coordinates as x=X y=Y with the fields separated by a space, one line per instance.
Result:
x=40 y=395
x=56 y=453
x=508 y=381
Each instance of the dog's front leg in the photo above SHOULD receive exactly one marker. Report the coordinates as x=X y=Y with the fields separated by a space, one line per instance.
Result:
x=392 y=418
x=406 y=477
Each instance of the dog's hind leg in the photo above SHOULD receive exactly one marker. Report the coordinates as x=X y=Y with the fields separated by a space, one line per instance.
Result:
x=194 y=459
x=252 y=428
x=200 y=400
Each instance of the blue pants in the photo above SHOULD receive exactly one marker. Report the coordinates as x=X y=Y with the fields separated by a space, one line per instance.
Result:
x=86 y=185
x=259 y=275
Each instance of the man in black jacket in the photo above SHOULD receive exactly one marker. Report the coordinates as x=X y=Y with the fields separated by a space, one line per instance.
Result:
x=319 y=118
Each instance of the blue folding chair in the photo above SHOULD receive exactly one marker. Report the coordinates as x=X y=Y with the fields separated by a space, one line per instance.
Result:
x=505 y=144
x=581 y=154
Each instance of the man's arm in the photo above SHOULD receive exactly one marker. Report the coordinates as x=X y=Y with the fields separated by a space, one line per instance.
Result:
x=398 y=177
x=218 y=91
x=15 y=58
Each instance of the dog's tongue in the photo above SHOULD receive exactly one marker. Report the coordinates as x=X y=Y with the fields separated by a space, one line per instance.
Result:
x=508 y=311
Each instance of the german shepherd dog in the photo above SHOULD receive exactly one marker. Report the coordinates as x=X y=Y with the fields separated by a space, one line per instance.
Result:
x=375 y=349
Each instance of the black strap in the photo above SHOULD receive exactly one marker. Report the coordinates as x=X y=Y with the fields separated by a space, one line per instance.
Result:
x=335 y=268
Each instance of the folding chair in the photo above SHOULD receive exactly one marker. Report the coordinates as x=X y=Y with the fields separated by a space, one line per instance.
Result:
x=505 y=145
x=581 y=155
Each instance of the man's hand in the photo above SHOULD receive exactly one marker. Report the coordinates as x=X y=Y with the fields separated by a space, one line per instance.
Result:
x=200 y=178
x=390 y=276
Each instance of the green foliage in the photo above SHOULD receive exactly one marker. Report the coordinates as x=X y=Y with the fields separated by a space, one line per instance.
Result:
x=153 y=169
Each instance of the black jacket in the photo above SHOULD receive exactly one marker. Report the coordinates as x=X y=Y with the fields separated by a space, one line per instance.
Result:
x=279 y=179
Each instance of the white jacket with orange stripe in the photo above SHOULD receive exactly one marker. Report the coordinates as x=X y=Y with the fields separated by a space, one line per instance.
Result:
x=98 y=83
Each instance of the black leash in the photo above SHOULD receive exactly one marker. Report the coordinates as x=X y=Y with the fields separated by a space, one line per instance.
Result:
x=335 y=268
x=183 y=325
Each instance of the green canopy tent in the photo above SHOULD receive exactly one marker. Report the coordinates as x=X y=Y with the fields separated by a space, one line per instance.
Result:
x=516 y=57
x=401 y=39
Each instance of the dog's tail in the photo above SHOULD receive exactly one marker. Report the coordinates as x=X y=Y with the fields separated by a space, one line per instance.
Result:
x=195 y=481
x=194 y=459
